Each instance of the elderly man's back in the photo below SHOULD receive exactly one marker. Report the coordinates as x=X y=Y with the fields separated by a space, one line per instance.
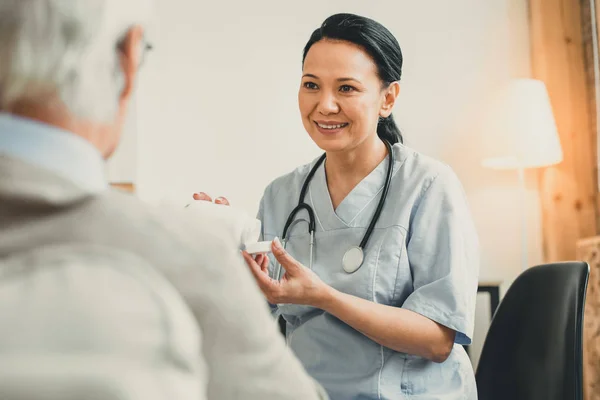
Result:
x=87 y=271
x=243 y=351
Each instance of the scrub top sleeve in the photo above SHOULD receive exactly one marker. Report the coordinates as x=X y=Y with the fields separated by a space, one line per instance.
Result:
x=443 y=253
x=260 y=216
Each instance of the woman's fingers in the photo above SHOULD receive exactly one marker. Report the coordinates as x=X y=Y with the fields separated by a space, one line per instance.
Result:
x=263 y=261
x=270 y=288
x=263 y=280
x=288 y=262
x=264 y=265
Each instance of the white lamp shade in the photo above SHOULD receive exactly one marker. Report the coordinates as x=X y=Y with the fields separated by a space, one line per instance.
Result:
x=521 y=129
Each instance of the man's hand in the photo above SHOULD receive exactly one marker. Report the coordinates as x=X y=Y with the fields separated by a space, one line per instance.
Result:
x=204 y=197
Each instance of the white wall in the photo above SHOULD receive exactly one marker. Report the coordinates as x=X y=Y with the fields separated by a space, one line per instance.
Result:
x=218 y=108
x=122 y=166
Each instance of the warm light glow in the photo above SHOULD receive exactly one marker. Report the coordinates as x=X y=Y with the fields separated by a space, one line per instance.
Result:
x=520 y=128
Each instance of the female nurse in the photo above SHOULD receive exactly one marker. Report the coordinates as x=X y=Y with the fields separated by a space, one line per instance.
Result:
x=393 y=325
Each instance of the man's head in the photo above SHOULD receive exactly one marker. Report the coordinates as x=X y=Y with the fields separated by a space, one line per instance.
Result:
x=72 y=63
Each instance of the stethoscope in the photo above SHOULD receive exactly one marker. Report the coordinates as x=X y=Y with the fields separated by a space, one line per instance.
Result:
x=354 y=256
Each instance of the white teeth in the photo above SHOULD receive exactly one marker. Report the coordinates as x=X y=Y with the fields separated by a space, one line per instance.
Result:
x=331 y=126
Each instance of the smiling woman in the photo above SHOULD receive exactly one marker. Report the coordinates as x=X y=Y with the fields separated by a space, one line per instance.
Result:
x=394 y=326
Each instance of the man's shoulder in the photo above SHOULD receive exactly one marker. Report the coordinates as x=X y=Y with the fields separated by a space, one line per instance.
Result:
x=165 y=226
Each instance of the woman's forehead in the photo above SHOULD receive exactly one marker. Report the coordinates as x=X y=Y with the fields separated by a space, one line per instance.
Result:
x=335 y=59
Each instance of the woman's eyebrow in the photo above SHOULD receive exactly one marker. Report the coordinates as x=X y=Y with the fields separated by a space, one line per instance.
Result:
x=348 y=79
x=344 y=79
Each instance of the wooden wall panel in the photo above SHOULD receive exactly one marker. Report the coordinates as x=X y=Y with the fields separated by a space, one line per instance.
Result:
x=589 y=250
x=562 y=55
x=568 y=191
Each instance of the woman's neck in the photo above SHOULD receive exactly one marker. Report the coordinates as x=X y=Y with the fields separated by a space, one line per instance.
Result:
x=345 y=170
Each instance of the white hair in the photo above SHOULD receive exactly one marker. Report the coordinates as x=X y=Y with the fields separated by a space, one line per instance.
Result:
x=66 y=50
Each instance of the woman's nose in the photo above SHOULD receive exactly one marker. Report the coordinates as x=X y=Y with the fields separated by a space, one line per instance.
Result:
x=328 y=104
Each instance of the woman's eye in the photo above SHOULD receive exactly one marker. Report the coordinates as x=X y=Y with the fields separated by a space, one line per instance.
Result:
x=347 y=88
x=310 y=85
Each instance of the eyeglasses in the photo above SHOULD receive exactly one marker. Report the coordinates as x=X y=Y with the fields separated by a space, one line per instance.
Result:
x=147 y=47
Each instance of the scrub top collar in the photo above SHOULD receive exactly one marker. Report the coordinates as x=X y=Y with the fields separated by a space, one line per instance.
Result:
x=356 y=202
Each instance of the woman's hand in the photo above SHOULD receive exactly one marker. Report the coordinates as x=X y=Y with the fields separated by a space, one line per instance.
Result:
x=204 y=197
x=299 y=285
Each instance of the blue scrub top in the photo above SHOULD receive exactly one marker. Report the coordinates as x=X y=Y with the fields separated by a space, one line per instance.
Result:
x=422 y=256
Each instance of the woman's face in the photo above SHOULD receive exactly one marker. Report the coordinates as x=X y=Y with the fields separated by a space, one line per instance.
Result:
x=341 y=96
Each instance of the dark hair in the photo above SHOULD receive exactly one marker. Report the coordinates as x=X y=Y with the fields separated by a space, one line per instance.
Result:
x=379 y=43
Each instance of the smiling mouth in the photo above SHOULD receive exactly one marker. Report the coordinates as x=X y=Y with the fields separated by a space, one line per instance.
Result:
x=331 y=127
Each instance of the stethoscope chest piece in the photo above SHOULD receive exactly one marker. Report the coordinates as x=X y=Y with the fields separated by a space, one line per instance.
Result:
x=353 y=259
x=354 y=256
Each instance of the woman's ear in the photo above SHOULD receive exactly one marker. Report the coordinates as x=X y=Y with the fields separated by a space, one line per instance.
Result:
x=389 y=100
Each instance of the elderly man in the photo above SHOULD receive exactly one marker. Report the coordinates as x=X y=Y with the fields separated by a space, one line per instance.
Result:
x=67 y=71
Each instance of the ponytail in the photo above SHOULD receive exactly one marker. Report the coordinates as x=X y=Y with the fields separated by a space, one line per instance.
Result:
x=389 y=131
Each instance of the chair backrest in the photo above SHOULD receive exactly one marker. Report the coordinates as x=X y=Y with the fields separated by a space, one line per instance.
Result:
x=533 y=349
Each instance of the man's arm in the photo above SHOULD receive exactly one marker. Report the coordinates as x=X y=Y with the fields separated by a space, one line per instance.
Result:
x=246 y=355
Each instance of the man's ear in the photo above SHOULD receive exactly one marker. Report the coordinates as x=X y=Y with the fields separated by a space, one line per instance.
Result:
x=390 y=95
x=130 y=56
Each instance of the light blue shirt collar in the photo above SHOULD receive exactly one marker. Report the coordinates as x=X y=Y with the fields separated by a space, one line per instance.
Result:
x=54 y=149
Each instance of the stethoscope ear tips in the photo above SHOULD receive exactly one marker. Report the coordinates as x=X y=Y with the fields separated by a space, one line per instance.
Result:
x=353 y=259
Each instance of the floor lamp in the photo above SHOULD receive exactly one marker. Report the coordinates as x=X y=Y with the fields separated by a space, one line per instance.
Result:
x=523 y=132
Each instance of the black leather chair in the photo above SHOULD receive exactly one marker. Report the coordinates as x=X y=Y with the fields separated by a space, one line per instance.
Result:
x=533 y=349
